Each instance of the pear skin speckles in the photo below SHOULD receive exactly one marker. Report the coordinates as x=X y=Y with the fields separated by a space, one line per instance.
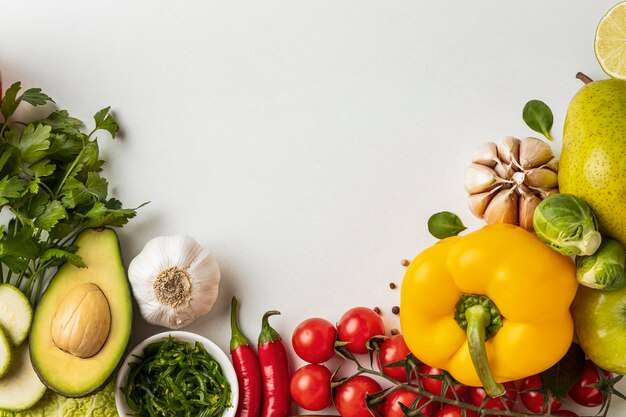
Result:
x=593 y=159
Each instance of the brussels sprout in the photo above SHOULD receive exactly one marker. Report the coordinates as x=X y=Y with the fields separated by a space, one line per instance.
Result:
x=567 y=224
x=604 y=269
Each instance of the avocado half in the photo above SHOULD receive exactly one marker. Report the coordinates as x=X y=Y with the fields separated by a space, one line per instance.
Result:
x=64 y=372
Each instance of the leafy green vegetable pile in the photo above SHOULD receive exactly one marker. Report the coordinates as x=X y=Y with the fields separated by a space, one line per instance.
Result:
x=50 y=183
x=175 y=378
x=101 y=404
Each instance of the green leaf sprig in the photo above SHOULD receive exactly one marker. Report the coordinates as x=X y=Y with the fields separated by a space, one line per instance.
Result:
x=538 y=116
x=52 y=187
x=445 y=224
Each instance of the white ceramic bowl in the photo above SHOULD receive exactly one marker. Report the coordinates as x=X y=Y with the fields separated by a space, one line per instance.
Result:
x=212 y=348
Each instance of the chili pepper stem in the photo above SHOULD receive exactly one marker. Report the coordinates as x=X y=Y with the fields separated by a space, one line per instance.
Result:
x=268 y=334
x=237 y=337
x=478 y=318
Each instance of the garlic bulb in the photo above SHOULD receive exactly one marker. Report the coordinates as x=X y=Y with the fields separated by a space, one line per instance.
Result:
x=174 y=280
x=506 y=181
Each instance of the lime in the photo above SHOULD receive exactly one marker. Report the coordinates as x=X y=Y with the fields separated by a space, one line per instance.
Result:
x=610 y=43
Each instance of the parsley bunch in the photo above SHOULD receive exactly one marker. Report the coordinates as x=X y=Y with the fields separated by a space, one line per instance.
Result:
x=51 y=188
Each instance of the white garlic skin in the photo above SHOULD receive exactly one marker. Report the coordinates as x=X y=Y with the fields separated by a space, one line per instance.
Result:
x=183 y=252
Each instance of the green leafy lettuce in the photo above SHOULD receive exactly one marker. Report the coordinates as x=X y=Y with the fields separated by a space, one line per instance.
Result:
x=101 y=404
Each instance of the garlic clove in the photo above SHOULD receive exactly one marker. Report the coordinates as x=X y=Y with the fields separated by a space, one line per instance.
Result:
x=552 y=164
x=534 y=152
x=486 y=154
x=505 y=171
x=478 y=202
x=527 y=205
x=508 y=150
x=542 y=178
x=547 y=193
x=502 y=208
x=479 y=178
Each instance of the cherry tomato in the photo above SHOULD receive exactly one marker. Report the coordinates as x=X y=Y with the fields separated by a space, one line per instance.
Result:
x=448 y=410
x=478 y=394
x=310 y=387
x=392 y=350
x=392 y=408
x=533 y=398
x=357 y=326
x=566 y=413
x=582 y=393
x=350 y=396
x=435 y=386
x=314 y=340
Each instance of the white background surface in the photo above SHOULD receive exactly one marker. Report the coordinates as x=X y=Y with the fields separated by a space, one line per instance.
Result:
x=305 y=142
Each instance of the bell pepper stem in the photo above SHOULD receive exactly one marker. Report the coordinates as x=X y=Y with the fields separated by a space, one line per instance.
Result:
x=478 y=318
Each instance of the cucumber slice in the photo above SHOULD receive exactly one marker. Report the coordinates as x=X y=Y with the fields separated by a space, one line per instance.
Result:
x=16 y=313
x=5 y=352
x=20 y=388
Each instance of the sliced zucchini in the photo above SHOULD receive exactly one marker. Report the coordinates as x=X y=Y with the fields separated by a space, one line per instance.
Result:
x=5 y=352
x=20 y=388
x=16 y=313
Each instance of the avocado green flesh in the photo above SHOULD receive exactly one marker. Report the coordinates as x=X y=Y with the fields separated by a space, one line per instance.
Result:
x=593 y=159
x=63 y=372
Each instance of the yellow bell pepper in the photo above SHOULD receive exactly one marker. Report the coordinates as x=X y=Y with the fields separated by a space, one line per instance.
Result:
x=489 y=307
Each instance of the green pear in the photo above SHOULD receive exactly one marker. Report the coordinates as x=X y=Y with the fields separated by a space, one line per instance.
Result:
x=593 y=159
x=600 y=326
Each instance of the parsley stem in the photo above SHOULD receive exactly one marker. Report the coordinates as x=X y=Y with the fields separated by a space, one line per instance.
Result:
x=68 y=171
x=39 y=286
x=20 y=278
x=1 y=274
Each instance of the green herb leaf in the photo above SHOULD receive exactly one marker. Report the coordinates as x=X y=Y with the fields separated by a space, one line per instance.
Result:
x=52 y=214
x=43 y=168
x=35 y=97
x=560 y=378
x=445 y=224
x=74 y=193
x=19 y=246
x=10 y=162
x=61 y=256
x=34 y=143
x=9 y=101
x=101 y=215
x=10 y=188
x=106 y=122
x=97 y=186
x=538 y=117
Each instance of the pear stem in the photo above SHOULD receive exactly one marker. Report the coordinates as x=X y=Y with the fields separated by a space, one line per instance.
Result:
x=584 y=78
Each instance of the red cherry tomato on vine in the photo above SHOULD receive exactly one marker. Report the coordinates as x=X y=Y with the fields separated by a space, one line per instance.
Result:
x=392 y=408
x=310 y=387
x=534 y=399
x=584 y=394
x=478 y=394
x=435 y=386
x=350 y=396
x=357 y=326
x=392 y=350
x=314 y=340
x=448 y=410
x=566 y=413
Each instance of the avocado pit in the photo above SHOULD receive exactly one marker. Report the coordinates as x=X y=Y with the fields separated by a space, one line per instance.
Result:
x=82 y=322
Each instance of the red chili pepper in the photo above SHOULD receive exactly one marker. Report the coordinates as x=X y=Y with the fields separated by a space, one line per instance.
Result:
x=275 y=371
x=246 y=367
